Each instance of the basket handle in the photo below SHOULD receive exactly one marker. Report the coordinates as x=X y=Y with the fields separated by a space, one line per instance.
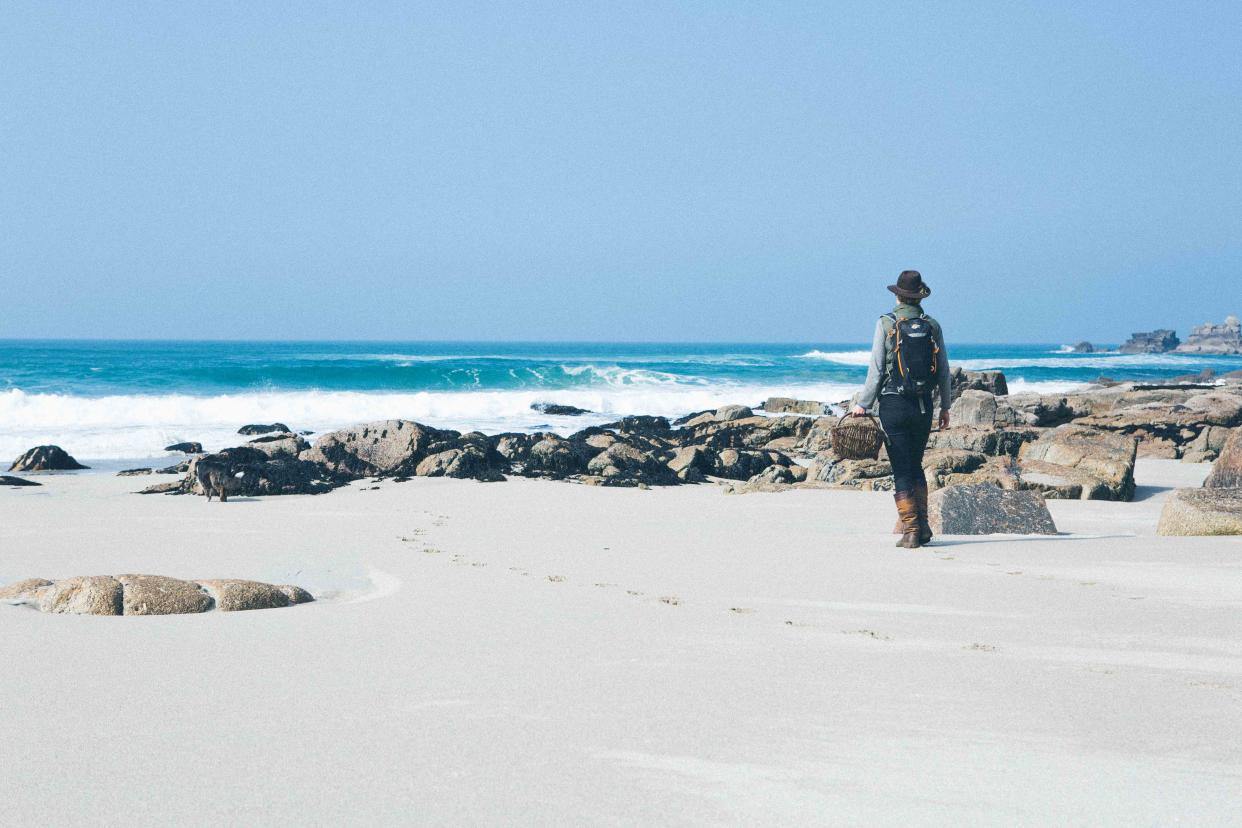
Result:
x=849 y=416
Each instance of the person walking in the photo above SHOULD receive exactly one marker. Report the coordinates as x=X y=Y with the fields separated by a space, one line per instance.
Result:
x=908 y=362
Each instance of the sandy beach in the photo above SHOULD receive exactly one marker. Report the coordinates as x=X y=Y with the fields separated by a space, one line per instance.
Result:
x=537 y=652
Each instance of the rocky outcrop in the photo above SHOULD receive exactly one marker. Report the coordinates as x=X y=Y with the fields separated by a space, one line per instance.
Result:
x=961 y=381
x=869 y=475
x=1227 y=470
x=1166 y=420
x=1100 y=462
x=388 y=448
x=983 y=409
x=186 y=448
x=692 y=464
x=135 y=472
x=788 y=405
x=470 y=456
x=158 y=595
x=149 y=595
x=90 y=595
x=1083 y=348
x=557 y=410
x=984 y=509
x=1207 y=446
x=1214 y=339
x=250 y=472
x=280 y=444
x=6 y=480
x=1150 y=342
x=259 y=428
x=622 y=464
x=45 y=458
x=994 y=442
x=1202 y=512
x=234 y=595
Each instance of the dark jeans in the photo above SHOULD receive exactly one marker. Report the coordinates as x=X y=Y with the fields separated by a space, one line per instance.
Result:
x=906 y=429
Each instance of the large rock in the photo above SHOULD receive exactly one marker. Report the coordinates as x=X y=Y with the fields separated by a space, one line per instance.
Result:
x=558 y=410
x=624 y=465
x=1103 y=459
x=1227 y=470
x=994 y=442
x=1207 y=446
x=982 y=409
x=159 y=595
x=961 y=380
x=149 y=595
x=1214 y=339
x=984 y=509
x=692 y=463
x=186 y=448
x=1150 y=342
x=727 y=413
x=1202 y=512
x=89 y=595
x=233 y=595
x=553 y=457
x=743 y=464
x=26 y=591
x=939 y=465
x=788 y=405
x=245 y=470
x=471 y=457
x=45 y=458
x=278 y=444
x=876 y=475
x=7 y=480
x=380 y=449
x=260 y=428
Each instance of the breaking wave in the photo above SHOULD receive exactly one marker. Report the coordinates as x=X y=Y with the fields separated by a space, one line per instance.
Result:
x=139 y=426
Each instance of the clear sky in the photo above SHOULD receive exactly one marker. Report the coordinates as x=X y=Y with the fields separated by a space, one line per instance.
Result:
x=658 y=171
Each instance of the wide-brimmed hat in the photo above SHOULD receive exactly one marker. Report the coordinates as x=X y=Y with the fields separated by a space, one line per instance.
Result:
x=910 y=286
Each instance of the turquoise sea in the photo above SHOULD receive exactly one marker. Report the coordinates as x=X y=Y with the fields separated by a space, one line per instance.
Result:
x=116 y=399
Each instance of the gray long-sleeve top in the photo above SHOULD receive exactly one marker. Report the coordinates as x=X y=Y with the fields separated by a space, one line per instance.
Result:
x=879 y=360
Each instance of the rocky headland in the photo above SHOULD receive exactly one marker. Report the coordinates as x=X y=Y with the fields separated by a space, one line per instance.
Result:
x=1150 y=342
x=1210 y=338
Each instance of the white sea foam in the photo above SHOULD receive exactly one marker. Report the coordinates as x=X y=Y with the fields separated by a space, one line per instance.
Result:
x=839 y=357
x=139 y=426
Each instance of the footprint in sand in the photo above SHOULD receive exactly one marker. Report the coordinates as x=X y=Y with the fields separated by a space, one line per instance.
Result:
x=980 y=648
x=603 y=584
x=632 y=592
x=556 y=579
x=741 y=610
x=671 y=600
x=870 y=634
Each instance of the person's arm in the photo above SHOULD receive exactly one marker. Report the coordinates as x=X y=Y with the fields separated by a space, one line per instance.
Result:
x=946 y=379
x=875 y=372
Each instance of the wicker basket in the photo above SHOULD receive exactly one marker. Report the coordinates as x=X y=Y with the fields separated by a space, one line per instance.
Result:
x=857 y=438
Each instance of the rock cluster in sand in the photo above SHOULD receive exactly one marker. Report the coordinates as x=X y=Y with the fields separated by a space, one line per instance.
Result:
x=149 y=595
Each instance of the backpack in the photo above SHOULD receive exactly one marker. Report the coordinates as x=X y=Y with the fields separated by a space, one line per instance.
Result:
x=913 y=355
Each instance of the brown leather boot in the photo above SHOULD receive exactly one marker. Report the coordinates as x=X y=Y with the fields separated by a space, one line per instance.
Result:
x=908 y=514
x=920 y=500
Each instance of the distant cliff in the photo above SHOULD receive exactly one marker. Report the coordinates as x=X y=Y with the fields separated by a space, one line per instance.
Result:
x=1152 y=342
x=1210 y=338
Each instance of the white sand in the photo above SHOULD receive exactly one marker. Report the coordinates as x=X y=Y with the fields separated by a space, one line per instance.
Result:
x=501 y=653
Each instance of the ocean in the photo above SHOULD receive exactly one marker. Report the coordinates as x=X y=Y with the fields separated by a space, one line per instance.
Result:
x=113 y=400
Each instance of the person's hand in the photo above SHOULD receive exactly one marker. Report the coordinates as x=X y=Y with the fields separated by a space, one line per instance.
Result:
x=858 y=411
x=944 y=418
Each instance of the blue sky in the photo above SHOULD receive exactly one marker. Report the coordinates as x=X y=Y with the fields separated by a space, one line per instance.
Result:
x=700 y=171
